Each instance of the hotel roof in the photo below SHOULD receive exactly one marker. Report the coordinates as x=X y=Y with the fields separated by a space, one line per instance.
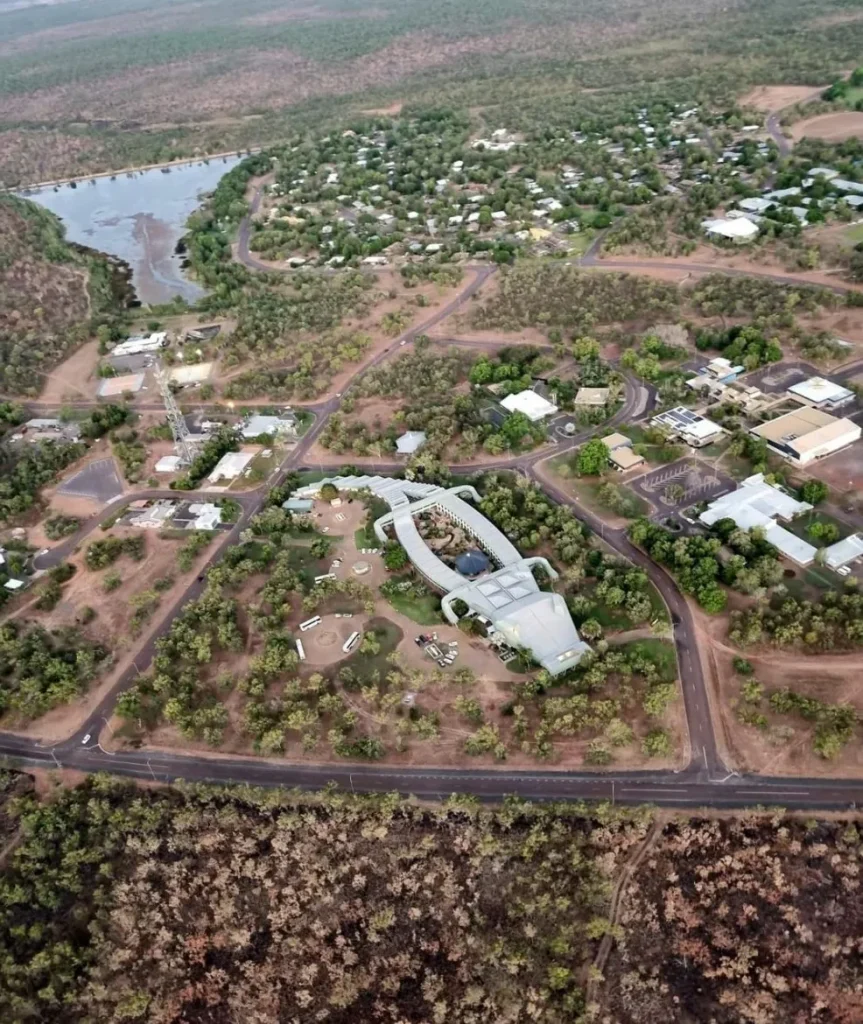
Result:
x=509 y=596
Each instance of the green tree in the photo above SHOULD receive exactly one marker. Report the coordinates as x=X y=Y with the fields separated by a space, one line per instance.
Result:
x=592 y=458
x=813 y=491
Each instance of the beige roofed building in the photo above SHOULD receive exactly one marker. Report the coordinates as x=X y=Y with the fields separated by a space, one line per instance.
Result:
x=807 y=434
x=592 y=396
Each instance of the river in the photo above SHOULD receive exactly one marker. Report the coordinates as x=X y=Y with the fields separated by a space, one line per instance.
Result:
x=139 y=216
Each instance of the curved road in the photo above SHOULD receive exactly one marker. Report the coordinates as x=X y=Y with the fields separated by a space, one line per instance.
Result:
x=704 y=781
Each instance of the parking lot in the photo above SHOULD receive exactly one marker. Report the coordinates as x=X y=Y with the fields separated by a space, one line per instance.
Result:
x=779 y=377
x=98 y=481
x=698 y=480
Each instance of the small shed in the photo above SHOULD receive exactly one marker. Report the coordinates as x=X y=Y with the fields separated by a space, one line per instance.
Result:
x=410 y=442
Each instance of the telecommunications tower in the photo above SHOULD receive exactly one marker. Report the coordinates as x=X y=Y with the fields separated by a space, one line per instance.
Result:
x=179 y=430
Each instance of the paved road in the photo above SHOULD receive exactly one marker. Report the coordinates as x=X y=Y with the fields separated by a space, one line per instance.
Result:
x=774 y=126
x=704 y=781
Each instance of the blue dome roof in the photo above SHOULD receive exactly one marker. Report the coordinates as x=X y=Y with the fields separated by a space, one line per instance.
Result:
x=472 y=562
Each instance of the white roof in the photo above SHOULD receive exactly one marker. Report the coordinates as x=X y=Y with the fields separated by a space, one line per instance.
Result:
x=756 y=503
x=207 y=516
x=13 y=584
x=534 y=406
x=257 y=425
x=509 y=596
x=753 y=503
x=738 y=229
x=818 y=390
x=755 y=204
x=230 y=466
x=410 y=442
x=844 y=551
x=141 y=343
x=168 y=464
x=824 y=172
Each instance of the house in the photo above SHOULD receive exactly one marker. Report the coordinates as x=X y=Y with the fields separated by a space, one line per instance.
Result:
x=14 y=585
x=410 y=442
x=755 y=205
x=739 y=230
x=757 y=503
x=531 y=404
x=273 y=426
x=40 y=429
x=620 y=453
x=722 y=370
x=821 y=393
x=807 y=434
x=843 y=552
x=592 y=397
x=141 y=344
x=155 y=516
x=230 y=466
x=203 y=516
x=696 y=430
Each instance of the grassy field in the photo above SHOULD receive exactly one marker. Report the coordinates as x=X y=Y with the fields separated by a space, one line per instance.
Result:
x=854 y=234
x=627 y=504
x=800 y=527
x=425 y=611
x=661 y=652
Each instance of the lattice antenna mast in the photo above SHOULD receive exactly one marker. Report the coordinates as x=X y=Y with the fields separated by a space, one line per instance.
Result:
x=179 y=430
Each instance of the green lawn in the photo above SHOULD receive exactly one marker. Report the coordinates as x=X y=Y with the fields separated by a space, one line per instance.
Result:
x=425 y=611
x=661 y=652
x=580 y=242
x=389 y=636
x=630 y=505
x=304 y=421
x=258 y=469
x=365 y=537
x=618 y=618
x=800 y=527
x=854 y=234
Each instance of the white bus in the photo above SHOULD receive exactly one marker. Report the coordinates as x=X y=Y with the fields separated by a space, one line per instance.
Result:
x=301 y=650
x=310 y=623
x=326 y=576
x=351 y=642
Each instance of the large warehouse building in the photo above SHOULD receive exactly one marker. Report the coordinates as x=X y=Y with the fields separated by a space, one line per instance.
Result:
x=508 y=595
x=807 y=434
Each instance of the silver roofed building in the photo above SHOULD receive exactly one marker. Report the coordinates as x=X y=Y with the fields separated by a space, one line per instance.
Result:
x=508 y=595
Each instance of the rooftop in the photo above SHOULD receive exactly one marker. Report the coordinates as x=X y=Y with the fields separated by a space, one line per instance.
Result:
x=613 y=441
x=756 y=503
x=844 y=551
x=591 y=396
x=509 y=596
x=410 y=442
x=804 y=428
x=534 y=406
x=819 y=391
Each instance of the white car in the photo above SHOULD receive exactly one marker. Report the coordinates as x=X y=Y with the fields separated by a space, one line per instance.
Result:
x=844 y=570
x=86 y=739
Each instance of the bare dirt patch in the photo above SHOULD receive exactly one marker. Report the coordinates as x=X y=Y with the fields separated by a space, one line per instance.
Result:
x=785 y=746
x=393 y=110
x=111 y=624
x=768 y=98
x=74 y=378
x=830 y=127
